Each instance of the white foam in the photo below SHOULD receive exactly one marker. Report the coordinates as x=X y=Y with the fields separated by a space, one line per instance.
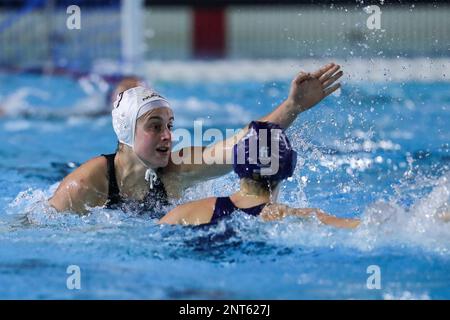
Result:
x=17 y=125
x=421 y=225
x=384 y=223
x=32 y=207
x=406 y=295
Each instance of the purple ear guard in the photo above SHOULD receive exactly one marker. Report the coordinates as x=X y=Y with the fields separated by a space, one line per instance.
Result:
x=252 y=153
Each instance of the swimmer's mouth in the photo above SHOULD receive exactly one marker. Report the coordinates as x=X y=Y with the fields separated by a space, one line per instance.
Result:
x=163 y=149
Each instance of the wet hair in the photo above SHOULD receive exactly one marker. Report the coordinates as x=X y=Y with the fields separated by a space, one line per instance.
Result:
x=126 y=83
x=259 y=184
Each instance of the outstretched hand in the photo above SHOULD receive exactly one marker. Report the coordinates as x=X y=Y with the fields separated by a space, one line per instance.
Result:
x=307 y=89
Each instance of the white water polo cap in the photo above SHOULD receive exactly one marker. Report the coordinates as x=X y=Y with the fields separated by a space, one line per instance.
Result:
x=129 y=106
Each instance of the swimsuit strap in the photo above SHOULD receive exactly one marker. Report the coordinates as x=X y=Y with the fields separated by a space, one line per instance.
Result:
x=113 y=188
x=254 y=211
x=224 y=207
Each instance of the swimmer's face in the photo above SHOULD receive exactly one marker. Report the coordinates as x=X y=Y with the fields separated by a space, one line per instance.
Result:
x=153 y=138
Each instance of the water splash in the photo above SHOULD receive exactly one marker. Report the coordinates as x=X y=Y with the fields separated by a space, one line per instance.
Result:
x=383 y=223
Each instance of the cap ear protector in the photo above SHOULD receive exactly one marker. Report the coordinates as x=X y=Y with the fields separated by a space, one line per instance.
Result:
x=264 y=153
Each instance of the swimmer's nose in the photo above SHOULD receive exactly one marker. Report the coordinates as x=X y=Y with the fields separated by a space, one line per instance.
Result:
x=166 y=134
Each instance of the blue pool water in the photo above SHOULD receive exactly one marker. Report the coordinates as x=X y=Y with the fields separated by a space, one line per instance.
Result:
x=378 y=151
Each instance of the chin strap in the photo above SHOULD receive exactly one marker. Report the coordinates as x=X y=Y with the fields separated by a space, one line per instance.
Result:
x=150 y=174
x=151 y=177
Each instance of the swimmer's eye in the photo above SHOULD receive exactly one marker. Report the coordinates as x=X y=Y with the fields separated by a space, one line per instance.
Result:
x=154 y=126
x=158 y=127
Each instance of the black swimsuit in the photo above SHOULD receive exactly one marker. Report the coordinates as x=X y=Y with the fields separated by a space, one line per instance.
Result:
x=225 y=207
x=155 y=199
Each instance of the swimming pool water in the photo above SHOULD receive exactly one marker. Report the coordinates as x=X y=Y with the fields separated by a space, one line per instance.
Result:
x=378 y=151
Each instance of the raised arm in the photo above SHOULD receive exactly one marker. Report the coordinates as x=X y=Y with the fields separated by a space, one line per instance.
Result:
x=276 y=212
x=307 y=89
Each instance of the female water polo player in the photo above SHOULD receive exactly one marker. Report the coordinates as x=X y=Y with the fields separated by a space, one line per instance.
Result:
x=259 y=184
x=141 y=172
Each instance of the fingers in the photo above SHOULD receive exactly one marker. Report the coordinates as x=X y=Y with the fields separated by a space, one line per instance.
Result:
x=322 y=70
x=302 y=76
x=332 y=79
x=329 y=73
x=331 y=89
